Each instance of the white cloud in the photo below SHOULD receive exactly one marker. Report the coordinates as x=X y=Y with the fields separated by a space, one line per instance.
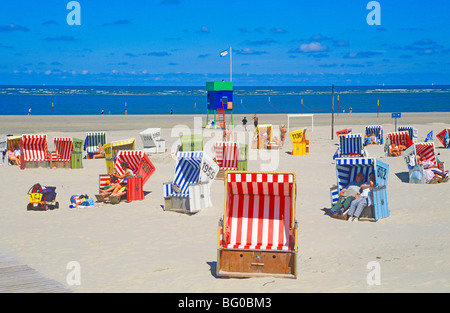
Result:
x=313 y=47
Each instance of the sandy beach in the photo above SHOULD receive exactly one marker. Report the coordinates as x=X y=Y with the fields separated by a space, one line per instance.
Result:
x=138 y=247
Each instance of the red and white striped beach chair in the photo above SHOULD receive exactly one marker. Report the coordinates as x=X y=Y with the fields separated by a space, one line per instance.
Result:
x=258 y=232
x=62 y=158
x=444 y=137
x=142 y=168
x=419 y=151
x=400 y=139
x=34 y=151
x=227 y=156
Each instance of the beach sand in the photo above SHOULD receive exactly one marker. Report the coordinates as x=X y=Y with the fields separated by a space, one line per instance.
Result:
x=138 y=247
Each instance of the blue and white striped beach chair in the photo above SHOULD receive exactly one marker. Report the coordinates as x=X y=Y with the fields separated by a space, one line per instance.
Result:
x=346 y=171
x=412 y=132
x=351 y=145
x=377 y=131
x=91 y=142
x=190 y=190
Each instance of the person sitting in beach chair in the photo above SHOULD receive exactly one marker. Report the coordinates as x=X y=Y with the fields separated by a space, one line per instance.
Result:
x=367 y=140
x=13 y=158
x=431 y=173
x=373 y=140
x=100 y=153
x=395 y=150
x=347 y=195
x=362 y=199
x=117 y=187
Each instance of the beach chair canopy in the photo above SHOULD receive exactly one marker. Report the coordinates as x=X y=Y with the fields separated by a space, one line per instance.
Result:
x=191 y=142
x=344 y=131
x=377 y=131
x=13 y=141
x=400 y=138
x=150 y=136
x=260 y=211
x=93 y=139
x=298 y=135
x=191 y=168
x=34 y=148
x=6 y=143
x=64 y=148
x=77 y=145
x=138 y=161
x=263 y=134
x=227 y=155
x=443 y=137
x=112 y=148
x=351 y=145
x=348 y=168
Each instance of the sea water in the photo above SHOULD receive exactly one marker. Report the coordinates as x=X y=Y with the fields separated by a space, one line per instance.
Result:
x=82 y=100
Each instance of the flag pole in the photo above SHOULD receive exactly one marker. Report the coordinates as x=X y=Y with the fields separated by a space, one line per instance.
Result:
x=231 y=64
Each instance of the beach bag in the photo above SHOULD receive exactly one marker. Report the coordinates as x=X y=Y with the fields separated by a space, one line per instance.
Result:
x=417 y=174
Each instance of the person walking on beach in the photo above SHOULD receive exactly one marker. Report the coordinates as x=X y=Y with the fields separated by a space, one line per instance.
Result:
x=103 y=112
x=29 y=111
x=255 y=120
x=283 y=132
x=244 y=122
x=171 y=111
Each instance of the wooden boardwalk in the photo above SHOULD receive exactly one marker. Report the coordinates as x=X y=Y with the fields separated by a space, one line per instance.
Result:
x=16 y=277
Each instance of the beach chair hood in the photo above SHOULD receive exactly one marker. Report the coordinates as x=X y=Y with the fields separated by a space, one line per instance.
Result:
x=138 y=161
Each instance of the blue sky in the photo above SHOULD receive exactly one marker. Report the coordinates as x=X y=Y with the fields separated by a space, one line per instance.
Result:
x=177 y=42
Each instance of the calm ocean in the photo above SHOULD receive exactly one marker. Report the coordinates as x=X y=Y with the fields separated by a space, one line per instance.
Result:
x=81 y=100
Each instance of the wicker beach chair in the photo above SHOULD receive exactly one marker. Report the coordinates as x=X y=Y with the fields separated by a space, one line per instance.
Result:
x=91 y=142
x=375 y=130
x=299 y=142
x=346 y=171
x=227 y=157
x=112 y=149
x=419 y=150
x=142 y=168
x=6 y=143
x=258 y=233
x=412 y=132
x=191 y=142
x=399 y=139
x=151 y=139
x=62 y=157
x=344 y=131
x=444 y=137
x=263 y=137
x=189 y=192
x=351 y=145
x=34 y=151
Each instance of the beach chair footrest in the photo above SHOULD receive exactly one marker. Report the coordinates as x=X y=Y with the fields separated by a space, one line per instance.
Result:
x=256 y=263
x=179 y=204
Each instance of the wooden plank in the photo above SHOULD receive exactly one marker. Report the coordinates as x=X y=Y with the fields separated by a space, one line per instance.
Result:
x=16 y=277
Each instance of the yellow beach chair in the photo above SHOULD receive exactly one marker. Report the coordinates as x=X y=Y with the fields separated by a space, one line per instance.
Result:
x=299 y=142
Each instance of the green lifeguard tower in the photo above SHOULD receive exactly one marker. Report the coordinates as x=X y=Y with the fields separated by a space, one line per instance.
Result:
x=219 y=102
